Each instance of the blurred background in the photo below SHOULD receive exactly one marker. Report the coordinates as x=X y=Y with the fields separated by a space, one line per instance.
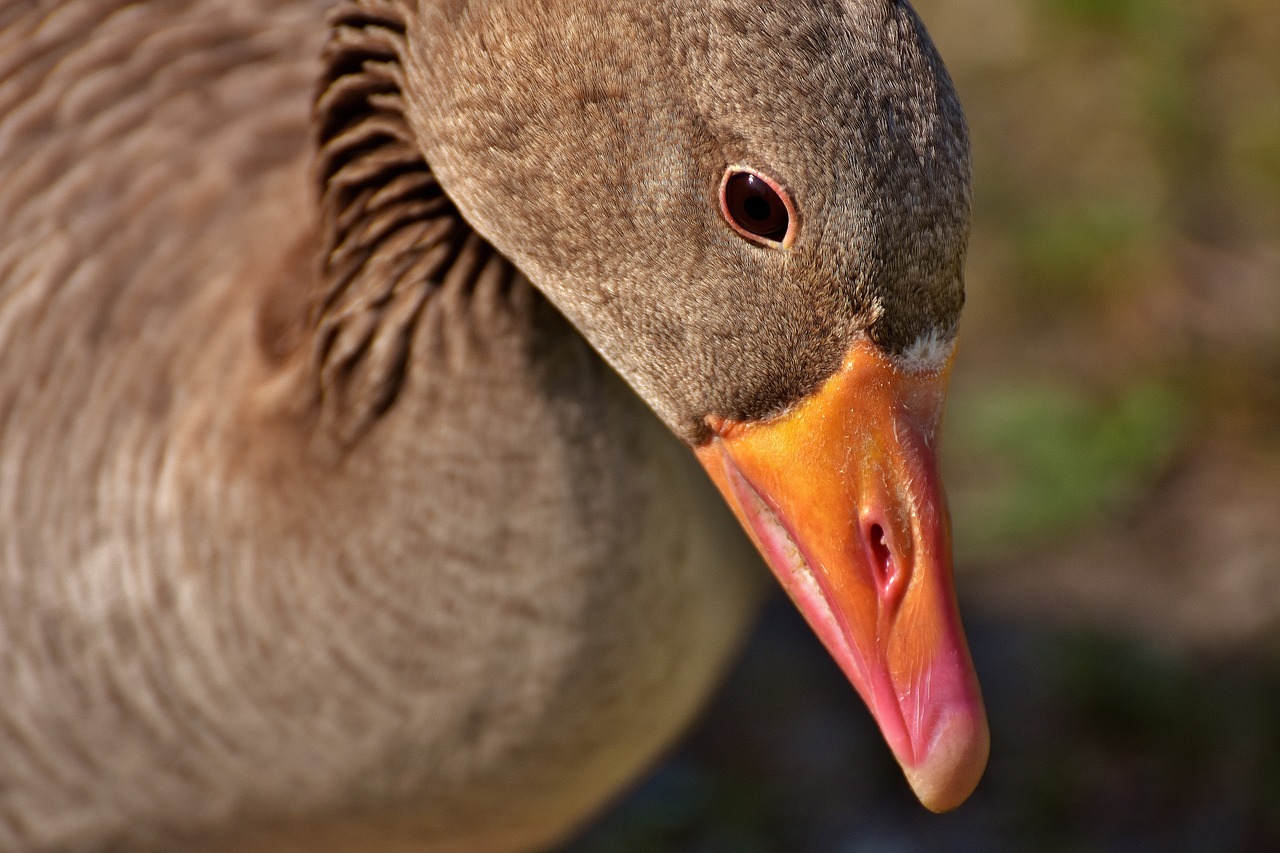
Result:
x=1113 y=456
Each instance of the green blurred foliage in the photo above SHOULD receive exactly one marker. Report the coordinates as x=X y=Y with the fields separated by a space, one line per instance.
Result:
x=1052 y=458
x=1125 y=251
x=1065 y=252
x=1127 y=17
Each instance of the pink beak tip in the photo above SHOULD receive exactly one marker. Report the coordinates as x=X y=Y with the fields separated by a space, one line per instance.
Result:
x=954 y=761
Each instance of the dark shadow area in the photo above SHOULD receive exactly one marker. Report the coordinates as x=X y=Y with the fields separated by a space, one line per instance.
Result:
x=1098 y=743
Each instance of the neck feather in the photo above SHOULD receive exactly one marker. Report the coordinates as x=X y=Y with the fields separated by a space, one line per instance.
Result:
x=388 y=235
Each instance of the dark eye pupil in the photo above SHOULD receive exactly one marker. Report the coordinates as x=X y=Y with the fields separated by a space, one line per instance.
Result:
x=755 y=207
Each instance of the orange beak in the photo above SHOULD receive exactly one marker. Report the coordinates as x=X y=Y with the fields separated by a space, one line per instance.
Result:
x=841 y=494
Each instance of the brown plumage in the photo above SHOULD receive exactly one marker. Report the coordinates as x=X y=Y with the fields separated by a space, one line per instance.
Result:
x=318 y=523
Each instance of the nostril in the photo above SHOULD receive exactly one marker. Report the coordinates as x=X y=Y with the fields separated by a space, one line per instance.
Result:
x=887 y=571
x=881 y=557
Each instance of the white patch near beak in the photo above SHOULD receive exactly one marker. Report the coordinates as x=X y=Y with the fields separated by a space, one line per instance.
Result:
x=928 y=353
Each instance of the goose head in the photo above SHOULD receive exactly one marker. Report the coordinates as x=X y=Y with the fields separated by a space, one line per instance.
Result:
x=758 y=214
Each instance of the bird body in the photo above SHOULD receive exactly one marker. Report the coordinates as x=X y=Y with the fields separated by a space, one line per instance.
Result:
x=216 y=611
x=319 y=524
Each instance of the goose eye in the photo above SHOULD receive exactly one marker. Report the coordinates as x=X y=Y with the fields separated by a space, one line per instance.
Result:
x=755 y=206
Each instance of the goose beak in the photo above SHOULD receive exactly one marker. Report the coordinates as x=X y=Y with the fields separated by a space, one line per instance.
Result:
x=841 y=494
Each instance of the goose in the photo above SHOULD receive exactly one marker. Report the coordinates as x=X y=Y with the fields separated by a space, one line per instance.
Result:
x=380 y=381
